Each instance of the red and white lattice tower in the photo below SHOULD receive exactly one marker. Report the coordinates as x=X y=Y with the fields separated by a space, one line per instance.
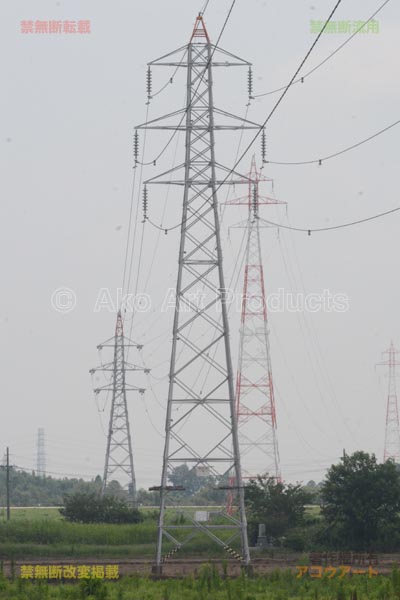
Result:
x=255 y=400
x=392 y=428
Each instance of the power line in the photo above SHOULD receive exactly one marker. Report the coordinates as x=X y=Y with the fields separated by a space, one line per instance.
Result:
x=307 y=347
x=204 y=8
x=166 y=230
x=301 y=79
x=281 y=97
x=271 y=112
x=308 y=230
x=200 y=81
x=170 y=80
x=166 y=146
x=73 y=475
x=128 y=272
x=350 y=224
x=162 y=220
x=312 y=337
x=325 y=158
x=129 y=229
x=136 y=222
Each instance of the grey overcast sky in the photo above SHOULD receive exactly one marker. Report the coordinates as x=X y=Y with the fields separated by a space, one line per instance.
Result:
x=68 y=110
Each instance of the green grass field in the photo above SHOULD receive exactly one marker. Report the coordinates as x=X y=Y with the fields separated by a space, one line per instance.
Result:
x=42 y=532
x=51 y=537
x=279 y=585
x=52 y=512
x=34 y=513
x=22 y=538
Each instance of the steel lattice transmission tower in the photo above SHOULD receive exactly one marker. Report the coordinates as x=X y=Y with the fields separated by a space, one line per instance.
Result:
x=41 y=453
x=201 y=427
x=119 y=457
x=392 y=427
x=255 y=399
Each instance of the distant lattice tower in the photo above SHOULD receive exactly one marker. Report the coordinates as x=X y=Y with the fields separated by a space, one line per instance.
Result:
x=41 y=453
x=392 y=425
x=119 y=457
x=255 y=399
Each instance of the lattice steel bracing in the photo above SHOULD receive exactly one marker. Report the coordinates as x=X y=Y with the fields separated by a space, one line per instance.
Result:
x=201 y=428
x=392 y=426
x=119 y=457
x=255 y=400
x=41 y=454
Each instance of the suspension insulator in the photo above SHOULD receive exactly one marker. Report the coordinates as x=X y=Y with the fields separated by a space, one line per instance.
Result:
x=145 y=203
x=250 y=83
x=149 y=77
x=255 y=199
x=263 y=146
x=136 y=146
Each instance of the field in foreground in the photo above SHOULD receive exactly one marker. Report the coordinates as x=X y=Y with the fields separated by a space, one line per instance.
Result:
x=279 y=585
x=47 y=536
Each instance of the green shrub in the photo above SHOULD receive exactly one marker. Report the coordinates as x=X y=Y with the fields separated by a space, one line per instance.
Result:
x=93 y=508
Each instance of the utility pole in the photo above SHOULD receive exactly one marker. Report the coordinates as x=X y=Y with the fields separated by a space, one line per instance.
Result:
x=8 y=482
x=392 y=425
x=119 y=456
x=255 y=397
x=201 y=427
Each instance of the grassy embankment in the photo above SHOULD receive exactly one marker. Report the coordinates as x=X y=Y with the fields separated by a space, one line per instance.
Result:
x=279 y=585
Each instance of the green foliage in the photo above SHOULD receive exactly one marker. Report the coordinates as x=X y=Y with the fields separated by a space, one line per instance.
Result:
x=92 y=508
x=314 y=490
x=187 y=478
x=29 y=490
x=396 y=582
x=361 y=502
x=198 y=490
x=93 y=588
x=281 y=507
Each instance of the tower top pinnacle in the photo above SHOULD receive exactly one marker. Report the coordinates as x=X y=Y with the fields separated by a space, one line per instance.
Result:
x=199 y=30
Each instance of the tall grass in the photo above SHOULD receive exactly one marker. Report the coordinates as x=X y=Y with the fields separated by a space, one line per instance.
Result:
x=28 y=552
x=61 y=532
x=280 y=585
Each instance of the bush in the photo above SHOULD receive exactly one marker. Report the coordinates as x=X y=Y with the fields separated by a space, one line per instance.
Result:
x=92 y=508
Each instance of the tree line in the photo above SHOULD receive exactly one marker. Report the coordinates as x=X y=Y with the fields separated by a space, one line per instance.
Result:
x=356 y=507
